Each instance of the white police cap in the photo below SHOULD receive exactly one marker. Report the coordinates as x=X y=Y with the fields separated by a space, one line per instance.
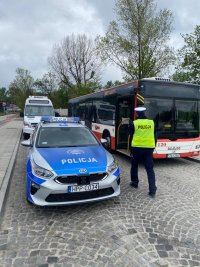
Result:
x=140 y=109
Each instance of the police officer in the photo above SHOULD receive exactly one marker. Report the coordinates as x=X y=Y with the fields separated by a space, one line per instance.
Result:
x=143 y=135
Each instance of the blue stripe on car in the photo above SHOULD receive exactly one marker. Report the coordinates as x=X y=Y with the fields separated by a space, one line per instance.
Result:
x=71 y=160
x=117 y=172
x=30 y=177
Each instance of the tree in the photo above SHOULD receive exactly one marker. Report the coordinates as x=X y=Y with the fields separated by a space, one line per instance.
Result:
x=75 y=62
x=47 y=84
x=180 y=76
x=21 y=87
x=137 y=41
x=111 y=84
x=60 y=97
x=3 y=94
x=188 y=67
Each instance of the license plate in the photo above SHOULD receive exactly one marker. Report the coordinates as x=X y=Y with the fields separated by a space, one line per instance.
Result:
x=82 y=188
x=173 y=155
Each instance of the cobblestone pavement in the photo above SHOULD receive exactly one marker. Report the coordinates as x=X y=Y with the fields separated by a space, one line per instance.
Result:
x=131 y=230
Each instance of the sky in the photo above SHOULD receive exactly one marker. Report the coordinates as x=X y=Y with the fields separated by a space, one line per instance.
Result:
x=30 y=28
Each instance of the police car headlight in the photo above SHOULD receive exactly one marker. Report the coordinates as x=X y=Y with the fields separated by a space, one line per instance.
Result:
x=41 y=172
x=113 y=166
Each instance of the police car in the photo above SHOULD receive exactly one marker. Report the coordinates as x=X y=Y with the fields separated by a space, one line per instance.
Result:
x=67 y=164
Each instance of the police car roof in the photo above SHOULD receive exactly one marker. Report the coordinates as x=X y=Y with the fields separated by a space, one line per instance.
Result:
x=49 y=121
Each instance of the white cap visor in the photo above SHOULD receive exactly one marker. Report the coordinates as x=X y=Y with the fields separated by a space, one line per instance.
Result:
x=140 y=109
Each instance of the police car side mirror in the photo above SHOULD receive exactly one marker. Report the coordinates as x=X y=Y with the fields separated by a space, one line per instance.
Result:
x=26 y=143
x=29 y=129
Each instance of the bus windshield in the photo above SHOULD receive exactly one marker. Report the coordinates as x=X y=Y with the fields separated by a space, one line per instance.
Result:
x=33 y=110
x=173 y=107
x=173 y=117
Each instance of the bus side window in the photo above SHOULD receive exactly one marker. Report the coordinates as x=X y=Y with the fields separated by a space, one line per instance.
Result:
x=81 y=111
x=93 y=114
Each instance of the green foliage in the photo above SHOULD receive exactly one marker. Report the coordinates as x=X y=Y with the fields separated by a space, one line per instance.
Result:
x=47 y=84
x=180 y=76
x=21 y=87
x=3 y=94
x=188 y=69
x=112 y=84
x=109 y=84
x=59 y=98
x=137 y=40
x=84 y=89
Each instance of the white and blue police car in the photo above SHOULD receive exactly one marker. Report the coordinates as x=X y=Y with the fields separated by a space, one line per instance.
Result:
x=67 y=164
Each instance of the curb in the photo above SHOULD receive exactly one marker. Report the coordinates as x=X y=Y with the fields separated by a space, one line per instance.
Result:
x=8 y=173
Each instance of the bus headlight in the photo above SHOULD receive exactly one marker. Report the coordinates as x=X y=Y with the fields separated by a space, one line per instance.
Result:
x=113 y=166
x=41 y=172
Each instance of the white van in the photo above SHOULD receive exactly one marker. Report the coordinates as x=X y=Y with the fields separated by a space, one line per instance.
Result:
x=35 y=108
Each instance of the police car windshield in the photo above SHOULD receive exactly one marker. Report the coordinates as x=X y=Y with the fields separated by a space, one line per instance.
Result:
x=65 y=137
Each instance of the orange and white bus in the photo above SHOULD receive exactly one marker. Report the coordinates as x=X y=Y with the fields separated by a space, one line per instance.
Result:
x=174 y=107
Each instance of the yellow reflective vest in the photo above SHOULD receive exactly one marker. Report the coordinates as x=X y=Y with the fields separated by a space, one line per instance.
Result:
x=143 y=134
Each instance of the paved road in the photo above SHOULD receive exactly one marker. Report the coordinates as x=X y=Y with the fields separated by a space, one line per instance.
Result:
x=131 y=230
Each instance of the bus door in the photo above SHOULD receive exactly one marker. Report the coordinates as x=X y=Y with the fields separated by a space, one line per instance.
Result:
x=125 y=111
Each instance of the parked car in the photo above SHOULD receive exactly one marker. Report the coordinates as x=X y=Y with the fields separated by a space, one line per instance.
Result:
x=67 y=164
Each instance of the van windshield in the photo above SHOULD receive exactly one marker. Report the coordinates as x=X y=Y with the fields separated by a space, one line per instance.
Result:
x=31 y=110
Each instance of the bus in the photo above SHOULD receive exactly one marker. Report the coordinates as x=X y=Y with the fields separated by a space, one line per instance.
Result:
x=35 y=108
x=174 y=107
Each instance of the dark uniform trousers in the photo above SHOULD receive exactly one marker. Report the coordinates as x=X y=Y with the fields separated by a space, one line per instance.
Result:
x=144 y=155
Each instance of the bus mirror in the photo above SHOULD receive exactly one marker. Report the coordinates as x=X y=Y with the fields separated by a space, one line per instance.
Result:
x=103 y=141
